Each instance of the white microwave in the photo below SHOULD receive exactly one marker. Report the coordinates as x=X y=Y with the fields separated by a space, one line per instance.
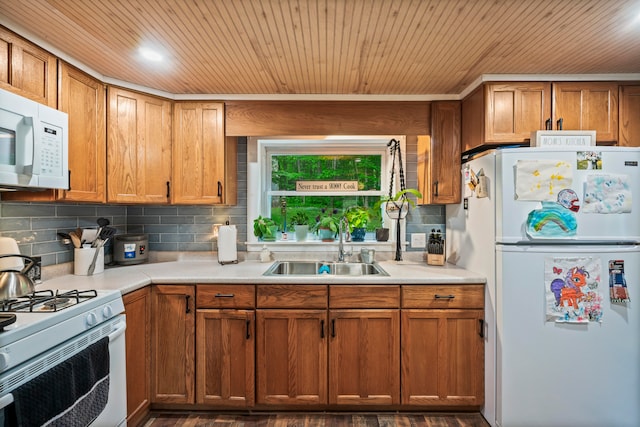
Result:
x=34 y=144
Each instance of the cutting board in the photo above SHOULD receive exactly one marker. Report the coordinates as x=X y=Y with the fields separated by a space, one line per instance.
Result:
x=227 y=245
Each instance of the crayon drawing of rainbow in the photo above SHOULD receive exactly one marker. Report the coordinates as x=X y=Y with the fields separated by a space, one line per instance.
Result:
x=552 y=220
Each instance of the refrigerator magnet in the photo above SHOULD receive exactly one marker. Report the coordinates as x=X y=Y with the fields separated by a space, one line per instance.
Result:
x=617 y=283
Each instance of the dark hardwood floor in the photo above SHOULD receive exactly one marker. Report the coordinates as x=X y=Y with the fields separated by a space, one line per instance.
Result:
x=317 y=420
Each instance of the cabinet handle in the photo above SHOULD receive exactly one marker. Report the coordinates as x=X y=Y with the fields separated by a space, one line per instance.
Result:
x=438 y=296
x=168 y=189
x=559 y=123
x=248 y=326
x=219 y=189
x=333 y=328
x=187 y=303
x=436 y=189
x=322 y=329
x=224 y=295
x=69 y=189
x=547 y=124
x=481 y=331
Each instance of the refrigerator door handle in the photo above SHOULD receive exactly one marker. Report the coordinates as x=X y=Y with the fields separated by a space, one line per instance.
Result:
x=481 y=331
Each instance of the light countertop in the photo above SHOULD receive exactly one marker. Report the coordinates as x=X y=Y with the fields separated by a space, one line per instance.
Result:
x=206 y=269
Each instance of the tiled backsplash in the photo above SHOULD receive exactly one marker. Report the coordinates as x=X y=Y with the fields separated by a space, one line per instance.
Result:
x=170 y=228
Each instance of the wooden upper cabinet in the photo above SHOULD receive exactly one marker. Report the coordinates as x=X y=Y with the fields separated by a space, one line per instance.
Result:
x=439 y=155
x=138 y=148
x=504 y=113
x=629 y=117
x=27 y=70
x=587 y=106
x=198 y=153
x=83 y=98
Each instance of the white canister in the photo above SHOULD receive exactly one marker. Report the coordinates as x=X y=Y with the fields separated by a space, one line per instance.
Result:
x=82 y=258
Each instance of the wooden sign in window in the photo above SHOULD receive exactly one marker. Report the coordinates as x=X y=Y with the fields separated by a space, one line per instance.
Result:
x=326 y=186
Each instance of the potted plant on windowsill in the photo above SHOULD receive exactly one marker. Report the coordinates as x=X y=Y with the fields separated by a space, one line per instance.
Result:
x=327 y=225
x=265 y=228
x=358 y=218
x=300 y=221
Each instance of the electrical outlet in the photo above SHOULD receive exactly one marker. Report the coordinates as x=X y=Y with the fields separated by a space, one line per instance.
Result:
x=418 y=240
x=36 y=272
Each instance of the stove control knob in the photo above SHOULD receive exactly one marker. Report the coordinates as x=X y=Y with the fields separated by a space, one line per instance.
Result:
x=4 y=360
x=107 y=312
x=92 y=319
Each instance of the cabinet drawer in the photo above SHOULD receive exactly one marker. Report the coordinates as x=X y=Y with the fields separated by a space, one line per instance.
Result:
x=445 y=296
x=364 y=296
x=292 y=296
x=225 y=296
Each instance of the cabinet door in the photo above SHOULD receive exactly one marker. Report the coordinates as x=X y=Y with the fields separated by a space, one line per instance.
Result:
x=137 y=307
x=27 y=70
x=629 y=125
x=198 y=153
x=138 y=148
x=439 y=155
x=291 y=357
x=514 y=110
x=587 y=106
x=84 y=99
x=173 y=336
x=364 y=355
x=225 y=349
x=442 y=357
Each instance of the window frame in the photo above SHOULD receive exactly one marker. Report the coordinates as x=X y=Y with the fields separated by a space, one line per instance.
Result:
x=260 y=150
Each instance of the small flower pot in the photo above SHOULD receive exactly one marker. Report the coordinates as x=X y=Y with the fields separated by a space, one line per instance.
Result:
x=358 y=233
x=397 y=210
x=274 y=230
x=302 y=232
x=382 y=234
x=326 y=234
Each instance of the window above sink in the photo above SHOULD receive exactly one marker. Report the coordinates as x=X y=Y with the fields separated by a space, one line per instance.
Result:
x=311 y=174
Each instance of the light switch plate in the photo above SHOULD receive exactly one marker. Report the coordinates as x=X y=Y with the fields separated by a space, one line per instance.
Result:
x=418 y=240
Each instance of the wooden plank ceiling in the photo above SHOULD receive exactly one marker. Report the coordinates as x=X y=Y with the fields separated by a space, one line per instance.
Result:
x=342 y=47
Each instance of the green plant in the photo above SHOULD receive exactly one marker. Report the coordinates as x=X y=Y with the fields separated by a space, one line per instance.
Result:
x=358 y=217
x=264 y=227
x=328 y=220
x=399 y=195
x=300 y=218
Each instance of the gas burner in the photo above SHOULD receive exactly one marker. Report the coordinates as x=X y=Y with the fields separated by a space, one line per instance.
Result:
x=46 y=301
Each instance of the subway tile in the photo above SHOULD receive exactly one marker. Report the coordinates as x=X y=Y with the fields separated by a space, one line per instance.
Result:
x=62 y=257
x=76 y=210
x=15 y=224
x=135 y=229
x=204 y=238
x=57 y=223
x=163 y=246
x=144 y=219
x=168 y=238
x=164 y=210
x=26 y=210
x=161 y=228
x=180 y=219
x=47 y=248
x=134 y=210
x=50 y=259
x=196 y=228
x=195 y=210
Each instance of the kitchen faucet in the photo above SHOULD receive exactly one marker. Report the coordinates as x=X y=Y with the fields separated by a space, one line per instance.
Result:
x=341 y=251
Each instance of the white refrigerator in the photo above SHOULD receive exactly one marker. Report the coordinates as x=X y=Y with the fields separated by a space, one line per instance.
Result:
x=557 y=234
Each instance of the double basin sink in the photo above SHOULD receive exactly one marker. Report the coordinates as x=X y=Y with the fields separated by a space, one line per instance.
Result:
x=314 y=268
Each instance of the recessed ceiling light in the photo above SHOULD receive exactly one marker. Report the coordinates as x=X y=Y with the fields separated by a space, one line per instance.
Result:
x=150 y=54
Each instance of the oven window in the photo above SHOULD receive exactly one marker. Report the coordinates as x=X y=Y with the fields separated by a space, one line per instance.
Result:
x=7 y=147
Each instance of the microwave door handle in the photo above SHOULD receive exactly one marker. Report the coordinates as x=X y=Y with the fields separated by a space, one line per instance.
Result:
x=37 y=147
x=29 y=155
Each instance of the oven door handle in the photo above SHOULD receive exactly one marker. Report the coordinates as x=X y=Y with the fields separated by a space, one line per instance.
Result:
x=6 y=400
x=119 y=330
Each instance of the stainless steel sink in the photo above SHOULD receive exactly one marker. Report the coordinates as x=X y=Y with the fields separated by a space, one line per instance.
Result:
x=314 y=268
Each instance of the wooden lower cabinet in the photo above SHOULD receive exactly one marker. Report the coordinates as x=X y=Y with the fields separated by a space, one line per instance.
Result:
x=225 y=353
x=137 y=308
x=291 y=357
x=442 y=357
x=364 y=354
x=443 y=345
x=172 y=342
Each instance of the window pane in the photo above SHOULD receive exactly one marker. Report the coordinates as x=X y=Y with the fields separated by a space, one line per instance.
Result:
x=313 y=206
x=286 y=169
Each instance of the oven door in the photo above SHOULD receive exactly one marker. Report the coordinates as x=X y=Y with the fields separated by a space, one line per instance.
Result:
x=115 y=411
